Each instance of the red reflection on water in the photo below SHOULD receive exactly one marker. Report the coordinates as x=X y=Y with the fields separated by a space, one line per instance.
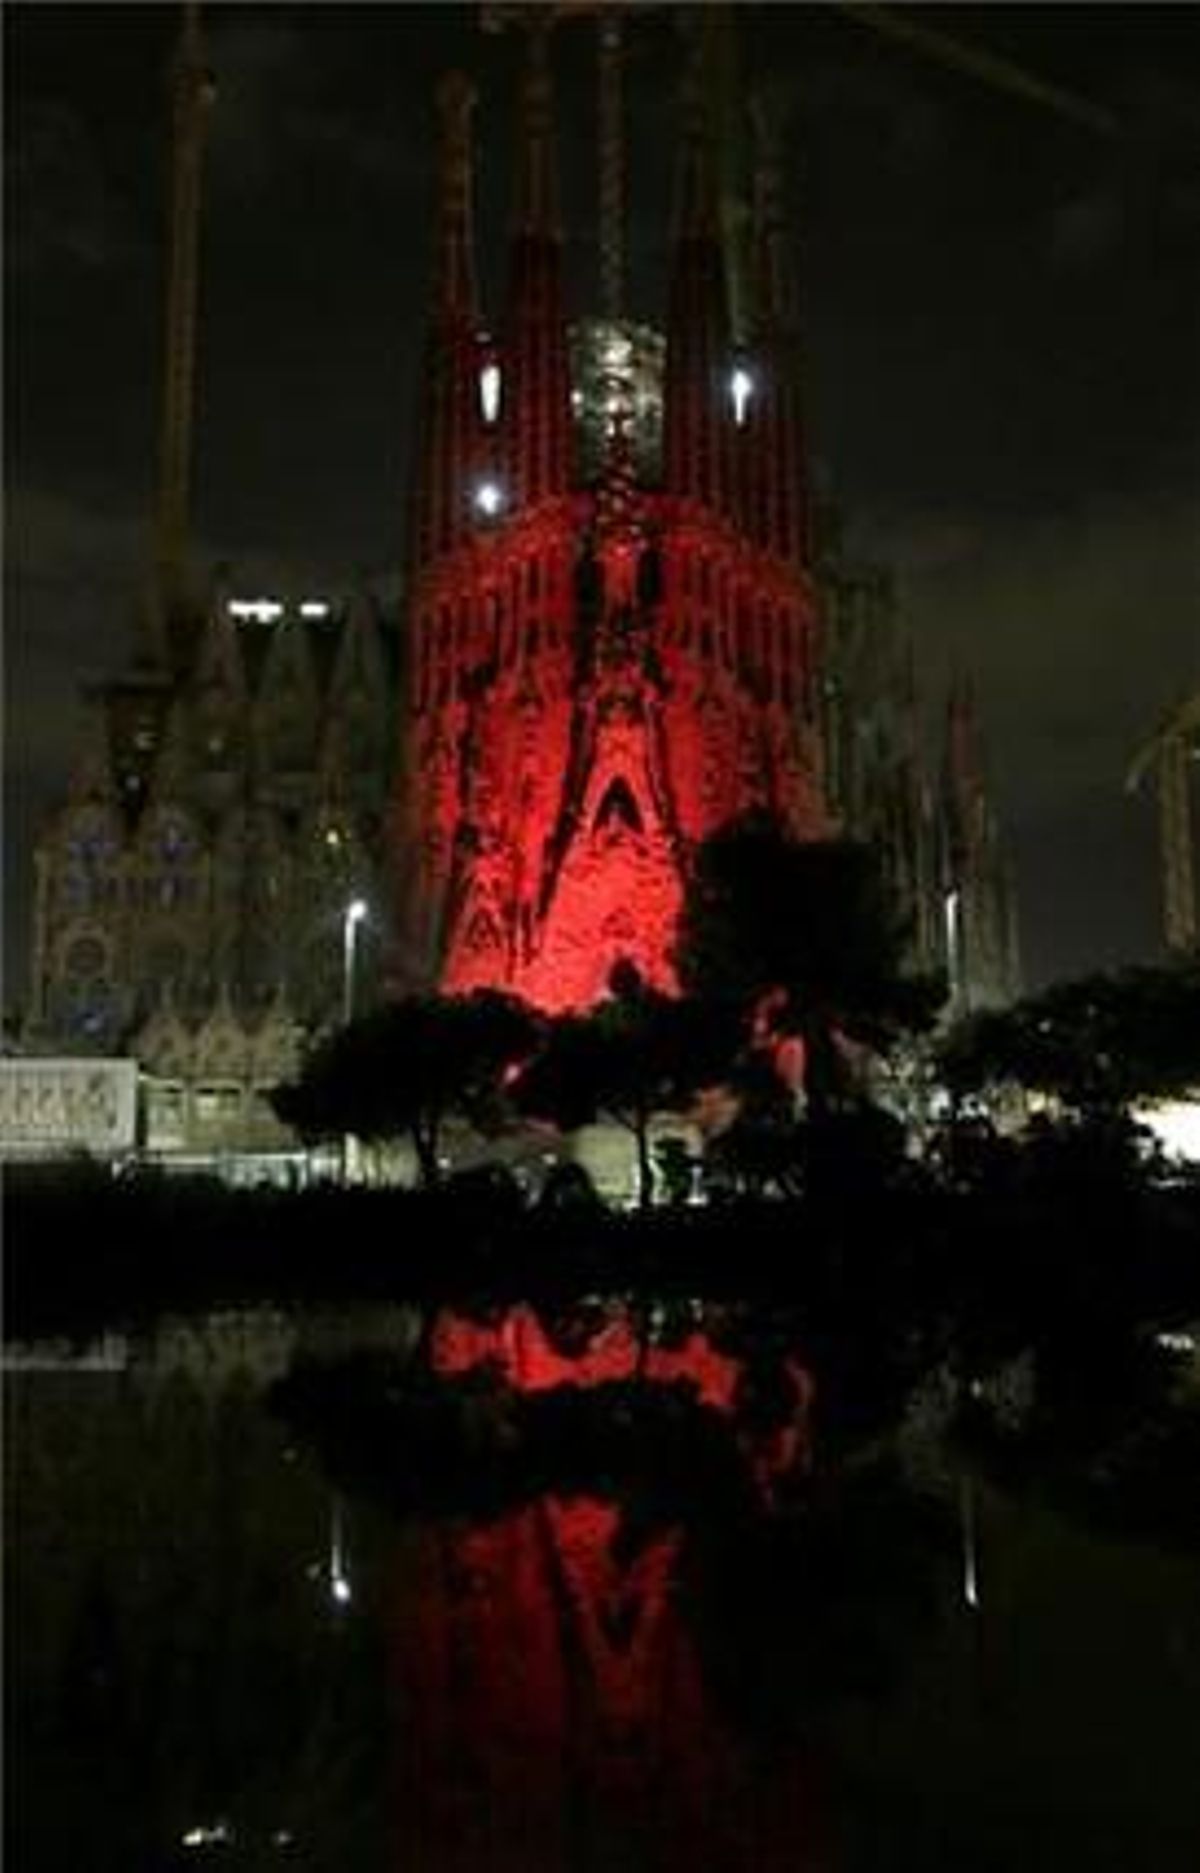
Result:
x=554 y=1714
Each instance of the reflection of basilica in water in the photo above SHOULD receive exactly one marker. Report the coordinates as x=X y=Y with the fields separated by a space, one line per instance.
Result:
x=555 y=1686
x=221 y=1648
x=554 y=1592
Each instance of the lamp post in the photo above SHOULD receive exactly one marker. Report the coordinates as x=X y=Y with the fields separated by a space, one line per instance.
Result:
x=952 y=905
x=355 y=914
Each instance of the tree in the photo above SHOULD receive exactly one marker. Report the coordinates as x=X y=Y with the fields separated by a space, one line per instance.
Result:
x=636 y=1054
x=1097 y=1043
x=799 y=936
x=405 y=1068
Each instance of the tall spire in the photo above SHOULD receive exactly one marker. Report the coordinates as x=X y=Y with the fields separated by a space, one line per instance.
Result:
x=537 y=391
x=612 y=164
x=537 y=208
x=456 y=289
x=192 y=93
x=695 y=422
x=775 y=454
x=450 y=381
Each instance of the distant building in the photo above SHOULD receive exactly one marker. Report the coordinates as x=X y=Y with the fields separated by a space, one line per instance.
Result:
x=222 y=813
x=918 y=793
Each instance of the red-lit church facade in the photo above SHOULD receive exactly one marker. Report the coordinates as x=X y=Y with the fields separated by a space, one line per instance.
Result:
x=608 y=656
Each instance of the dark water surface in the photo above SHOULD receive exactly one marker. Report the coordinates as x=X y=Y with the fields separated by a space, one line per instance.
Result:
x=565 y=1596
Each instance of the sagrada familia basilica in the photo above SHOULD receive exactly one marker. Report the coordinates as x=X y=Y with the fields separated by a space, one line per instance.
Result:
x=625 y=620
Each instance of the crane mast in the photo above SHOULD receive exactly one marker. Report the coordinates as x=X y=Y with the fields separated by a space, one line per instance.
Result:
x=192 y=95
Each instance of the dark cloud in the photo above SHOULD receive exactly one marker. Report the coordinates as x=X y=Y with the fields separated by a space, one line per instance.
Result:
x=64 y=211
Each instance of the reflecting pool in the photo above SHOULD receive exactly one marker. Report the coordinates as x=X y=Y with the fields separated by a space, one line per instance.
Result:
x=566 y=1591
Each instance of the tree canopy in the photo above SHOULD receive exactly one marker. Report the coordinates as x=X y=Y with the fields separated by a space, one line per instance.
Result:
x=804 y=927
x=1096 y=1043
x=405 y=1068
x=635 y=1054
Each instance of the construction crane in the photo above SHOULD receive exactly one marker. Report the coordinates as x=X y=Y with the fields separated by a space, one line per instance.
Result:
x=192 y=91
x=1171 y=751
x=927 y=42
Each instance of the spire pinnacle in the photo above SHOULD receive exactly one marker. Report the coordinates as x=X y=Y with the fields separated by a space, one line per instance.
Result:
x=537 y=187
x=774 y=285
x=456 y=98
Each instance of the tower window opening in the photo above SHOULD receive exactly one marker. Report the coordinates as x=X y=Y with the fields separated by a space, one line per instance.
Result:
x=489 y=392
x=741 y=389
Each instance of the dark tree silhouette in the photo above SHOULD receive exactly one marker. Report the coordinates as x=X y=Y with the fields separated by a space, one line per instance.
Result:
x=638 y=1053
x=800 y=935
x=405 y=1068
x=1096 y=1043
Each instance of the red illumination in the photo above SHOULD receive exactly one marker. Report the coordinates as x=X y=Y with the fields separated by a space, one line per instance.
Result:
x=600 y=676
x=552 y=1700
x=618 y=1346
x=577 y=731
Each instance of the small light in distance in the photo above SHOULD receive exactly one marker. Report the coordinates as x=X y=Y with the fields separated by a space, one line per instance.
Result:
x=315 y=608
x=219 y=1834
x=741 y=388
x=489 y=499
x=255 y=610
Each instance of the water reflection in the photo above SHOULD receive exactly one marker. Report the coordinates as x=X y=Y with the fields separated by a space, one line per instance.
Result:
x=556 y=1712
x=609 y=1585
x=512 y=1589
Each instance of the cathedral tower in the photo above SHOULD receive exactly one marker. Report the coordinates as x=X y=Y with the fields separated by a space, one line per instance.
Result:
x=608 y=658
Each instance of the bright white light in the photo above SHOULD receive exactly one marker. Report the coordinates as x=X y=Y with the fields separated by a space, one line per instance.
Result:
x=256 y=610
x=356 y=910
x=1173 y=1342
x=315 y=608
x=217 y=1835
x=1175 y=1124
x=489 y=392
x=970 y=1546
x=488 y=498
x=340 y=1590
x=741 y=386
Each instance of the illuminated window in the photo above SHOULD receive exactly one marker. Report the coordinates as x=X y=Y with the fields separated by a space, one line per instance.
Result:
x=489 y=392
x=741 y=389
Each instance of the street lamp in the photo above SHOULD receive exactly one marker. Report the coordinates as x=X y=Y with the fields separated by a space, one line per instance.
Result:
x=952 y=907
x=356 y=912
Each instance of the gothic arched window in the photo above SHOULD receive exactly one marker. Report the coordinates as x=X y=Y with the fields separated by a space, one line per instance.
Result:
x=169 y=854
x=92 y=853
x=618 y=807
x=85 y=993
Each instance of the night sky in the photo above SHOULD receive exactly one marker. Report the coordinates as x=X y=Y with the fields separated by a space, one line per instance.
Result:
x=1003 y=356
